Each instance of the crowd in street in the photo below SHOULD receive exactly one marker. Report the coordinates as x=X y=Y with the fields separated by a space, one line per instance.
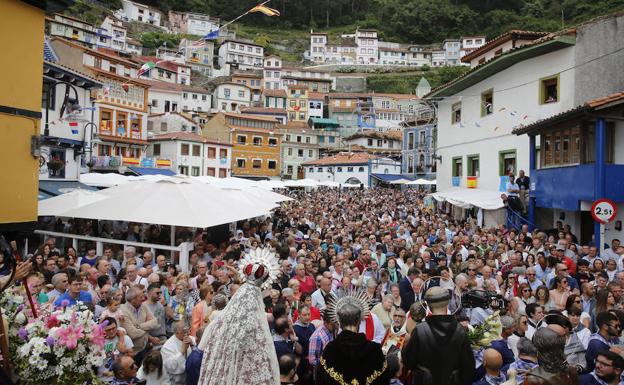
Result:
x=393 y=244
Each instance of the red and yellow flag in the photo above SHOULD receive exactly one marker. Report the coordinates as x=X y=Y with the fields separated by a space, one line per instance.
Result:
x=264 y=9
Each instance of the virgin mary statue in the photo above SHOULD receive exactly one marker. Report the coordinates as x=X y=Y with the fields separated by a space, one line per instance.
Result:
x=237 y=345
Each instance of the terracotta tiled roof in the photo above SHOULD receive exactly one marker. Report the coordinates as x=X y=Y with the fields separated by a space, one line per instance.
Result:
x=168 y=65
x=389 y=135
x=509 y=35
x=316 y=95
x=250 y=116
x=267 y=110
x=347 y=95
x=343 y=158
x=160 y=85
x=598 y=102
x=188 y=136
x=274 y=93
x=95 y=52
x=183 y=116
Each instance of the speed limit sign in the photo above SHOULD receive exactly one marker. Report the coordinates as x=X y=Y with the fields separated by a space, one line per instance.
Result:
x=604 y=210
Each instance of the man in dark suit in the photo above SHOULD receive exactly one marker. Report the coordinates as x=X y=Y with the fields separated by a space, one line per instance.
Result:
x=405 y=288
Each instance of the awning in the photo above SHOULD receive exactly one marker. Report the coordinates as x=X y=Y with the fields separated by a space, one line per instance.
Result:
x=471 y=197
x=152 y=171
x=52 y=188
x=389 y=178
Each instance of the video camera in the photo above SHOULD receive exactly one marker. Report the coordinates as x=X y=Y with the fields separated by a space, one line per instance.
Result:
x=482 y=299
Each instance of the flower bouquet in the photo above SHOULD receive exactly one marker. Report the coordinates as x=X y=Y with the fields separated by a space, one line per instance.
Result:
x=481 y=336
x=61 y=346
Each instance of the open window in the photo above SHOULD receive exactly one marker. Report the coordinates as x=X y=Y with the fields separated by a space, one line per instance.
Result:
x=487 y=102
x=458 y=166
x=549 y=90
x=473 y=165
x=456 y=113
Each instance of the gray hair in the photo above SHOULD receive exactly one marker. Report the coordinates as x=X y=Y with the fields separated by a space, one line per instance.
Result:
x=387 y=297
x=132 y=293
x=526 y=347
x=57 y=277
x=349 y=315
x=507 y=322
x=371 y=283
x=130 y=249
x=461 y=277
x=287 y=291
x=219 y=301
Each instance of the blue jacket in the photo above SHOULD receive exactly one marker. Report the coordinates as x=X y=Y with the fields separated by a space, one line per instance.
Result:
x=193 y=366
x=588 y=379
x=595 y=346
x=503 y=349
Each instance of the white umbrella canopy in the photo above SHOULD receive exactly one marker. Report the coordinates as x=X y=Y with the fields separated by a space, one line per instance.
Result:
x=301 y=183
x=247 y=197
x=400 y=181
x=173 y=201
x=268 y=195
x=271 y=184
x=57 y=206
x=422 y=182
x=329 y=183
x=103 y=180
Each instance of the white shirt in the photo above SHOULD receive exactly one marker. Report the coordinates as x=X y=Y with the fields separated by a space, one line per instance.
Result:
x=380 y=330
x=317 y=299
x=174 y=361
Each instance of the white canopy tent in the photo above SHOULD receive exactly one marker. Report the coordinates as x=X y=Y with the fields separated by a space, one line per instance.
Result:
x=329 y=183
x=422 y=182
x=271 y=184
x=302 y=183
x=58 y=205
x=103 y=180
x=468 y=198
x=349 y=185
x=400 y=181
x=268 y=195
x=173 y=201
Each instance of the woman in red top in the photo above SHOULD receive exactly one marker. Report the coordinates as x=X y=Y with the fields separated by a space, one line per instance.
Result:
x=315 y=313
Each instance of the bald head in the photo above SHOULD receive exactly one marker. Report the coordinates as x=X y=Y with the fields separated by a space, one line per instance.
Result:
x=492 y=361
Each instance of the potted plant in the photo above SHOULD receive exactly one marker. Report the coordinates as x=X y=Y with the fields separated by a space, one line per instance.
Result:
x=56 y=164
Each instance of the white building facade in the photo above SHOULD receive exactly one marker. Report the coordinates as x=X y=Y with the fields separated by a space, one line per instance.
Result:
x=367 y=46
x=241 y=54
x=478 y=112
x=133 y=11
x=231 y=97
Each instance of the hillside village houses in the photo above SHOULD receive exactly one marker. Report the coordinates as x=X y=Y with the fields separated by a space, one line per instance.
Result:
x=299 y=145
x=169 y=97
x=240 y=54
x=231 y=97
x=256 y=143
x=121 y=114
x=353 y=168
x=189 y=23
x=364 y=47
x=65 y=145
x=192 y=154
x=527 y=80
x=133 y=11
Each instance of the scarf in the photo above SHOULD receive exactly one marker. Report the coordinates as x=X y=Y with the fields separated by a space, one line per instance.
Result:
x=495 y=380
x=522 y=367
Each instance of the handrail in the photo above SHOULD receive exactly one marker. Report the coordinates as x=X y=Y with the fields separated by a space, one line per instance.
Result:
x=521 y=219
x=184 y=248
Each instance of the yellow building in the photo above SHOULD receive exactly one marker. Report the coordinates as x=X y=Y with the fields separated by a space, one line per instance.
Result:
x=297 y=103
x=21 y=71
x=255 y=143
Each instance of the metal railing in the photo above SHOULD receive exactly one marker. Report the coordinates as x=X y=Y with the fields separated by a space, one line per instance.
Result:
x=515 y=220
x=183 y=249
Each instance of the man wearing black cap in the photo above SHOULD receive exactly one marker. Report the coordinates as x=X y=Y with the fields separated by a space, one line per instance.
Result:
x=439 y=336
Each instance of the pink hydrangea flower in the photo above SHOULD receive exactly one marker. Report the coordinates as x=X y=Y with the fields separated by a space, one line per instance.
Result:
x=69 y=336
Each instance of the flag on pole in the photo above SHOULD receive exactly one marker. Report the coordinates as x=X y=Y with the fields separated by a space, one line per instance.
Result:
x=212 y=35
x=146 y=68
x=265 y=10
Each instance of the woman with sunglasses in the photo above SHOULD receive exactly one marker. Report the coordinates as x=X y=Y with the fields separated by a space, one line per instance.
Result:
x=575 y=300
x=525 y=297
x=542 y=297
x=560 y=292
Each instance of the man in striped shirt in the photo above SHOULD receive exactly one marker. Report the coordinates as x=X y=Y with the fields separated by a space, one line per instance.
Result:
x=319 y=339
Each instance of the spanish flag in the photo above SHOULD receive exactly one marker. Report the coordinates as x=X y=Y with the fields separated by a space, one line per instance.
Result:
x=264 y=9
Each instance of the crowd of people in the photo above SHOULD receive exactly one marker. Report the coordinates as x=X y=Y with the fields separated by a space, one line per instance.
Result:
x=560 y=300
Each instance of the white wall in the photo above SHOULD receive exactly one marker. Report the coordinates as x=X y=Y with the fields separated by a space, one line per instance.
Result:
x=494 y=133
x=340 y=177
x=161 y=96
